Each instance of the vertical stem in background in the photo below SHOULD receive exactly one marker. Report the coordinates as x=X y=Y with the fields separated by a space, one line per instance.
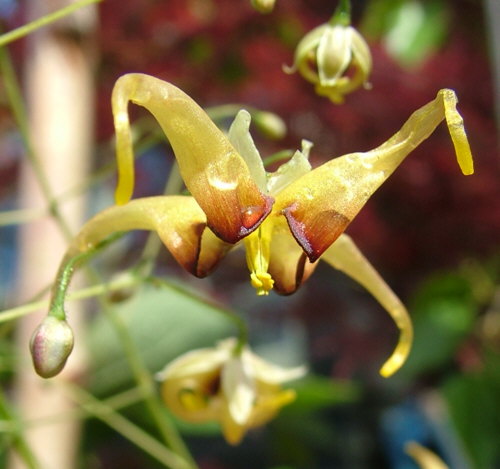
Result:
x=60 y=101
x=492 y=16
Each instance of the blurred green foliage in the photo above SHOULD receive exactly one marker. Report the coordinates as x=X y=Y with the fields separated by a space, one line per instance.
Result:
x=411 y=30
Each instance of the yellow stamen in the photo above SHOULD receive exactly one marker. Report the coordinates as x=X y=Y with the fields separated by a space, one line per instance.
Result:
x=191 y=400
x=262 y=282
x=257 y=246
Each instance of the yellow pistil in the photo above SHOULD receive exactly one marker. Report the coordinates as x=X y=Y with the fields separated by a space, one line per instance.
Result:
x=257 y=247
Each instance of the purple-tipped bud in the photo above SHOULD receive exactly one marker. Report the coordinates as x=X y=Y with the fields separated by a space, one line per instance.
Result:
x=50 y=346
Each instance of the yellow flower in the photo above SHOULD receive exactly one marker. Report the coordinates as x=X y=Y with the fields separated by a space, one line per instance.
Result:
x=335 y=58
x=286 y=220
x=235 y=388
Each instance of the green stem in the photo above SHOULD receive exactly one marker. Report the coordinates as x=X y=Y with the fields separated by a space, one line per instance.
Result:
x=129 y=430
x=147 y=385
x=66 y=271
x=277 y=157
x=28 y=28
x=16 y=103
x=342 y=15
x=89 y=292
x=19 y=443
x=239 y=323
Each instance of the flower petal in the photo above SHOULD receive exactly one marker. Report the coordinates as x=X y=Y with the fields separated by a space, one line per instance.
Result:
x=268 y=405
x=345 y=256
x=195 y=362
x=361 y=54
x=241 y=139
x=178 y=220
x=334 y=54
x=293 y=169
x=288 y=265
x=213 y=171
x=239 y=388
x=270 y=373
x=305 y=53
x=320 y=205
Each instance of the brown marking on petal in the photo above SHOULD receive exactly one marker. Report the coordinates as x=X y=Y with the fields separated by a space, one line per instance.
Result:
x=315 y=231
x=237 y=220
x=188 y=253
x=304 y=269
x=252 y=216
x=212 y=251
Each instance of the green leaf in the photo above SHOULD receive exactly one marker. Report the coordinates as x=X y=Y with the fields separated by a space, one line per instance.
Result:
x=315 y=392
x=443 y=314
x=163 y=323
x=473 y=405
x=410 y=29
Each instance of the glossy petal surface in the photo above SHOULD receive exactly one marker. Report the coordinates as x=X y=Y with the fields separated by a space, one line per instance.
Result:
x=213 y=171
x=178 y=220
x=345 y=256
x=321 y=204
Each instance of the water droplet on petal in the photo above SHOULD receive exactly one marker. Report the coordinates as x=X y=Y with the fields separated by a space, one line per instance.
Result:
x=251 y=215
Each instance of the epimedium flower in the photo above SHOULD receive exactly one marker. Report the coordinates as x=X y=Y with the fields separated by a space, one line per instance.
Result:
x=335 y=58
x=229 y=385
x=286 y=220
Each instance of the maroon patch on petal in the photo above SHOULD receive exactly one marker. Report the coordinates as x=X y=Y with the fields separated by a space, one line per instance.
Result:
x=315 y=233
x=253 y=216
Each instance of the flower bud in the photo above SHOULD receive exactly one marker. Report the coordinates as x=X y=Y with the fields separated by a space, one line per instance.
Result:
x=50 y=346
x=270 y=124
x=263 y=6
x=335 y=58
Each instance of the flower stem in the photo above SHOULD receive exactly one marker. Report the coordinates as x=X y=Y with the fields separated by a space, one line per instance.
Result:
x=342 y=15
x=28 y=28
x=147 y=386
x=18 y=442
x=240 y=324
x=66 y=271
x=18 y=109
x=126 y=428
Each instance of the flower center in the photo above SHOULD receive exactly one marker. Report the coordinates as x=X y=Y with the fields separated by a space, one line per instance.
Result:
x=258 y=252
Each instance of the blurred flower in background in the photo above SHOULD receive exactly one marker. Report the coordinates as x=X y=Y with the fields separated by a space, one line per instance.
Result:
x=335 y=58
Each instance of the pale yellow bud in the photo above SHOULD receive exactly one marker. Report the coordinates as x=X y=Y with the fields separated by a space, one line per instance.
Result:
x=335 y=58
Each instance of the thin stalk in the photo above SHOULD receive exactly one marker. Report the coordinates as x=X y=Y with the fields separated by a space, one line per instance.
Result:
x=19 y=444
x=28 y=28
x=16 y=103
x=277 y=157
x=116 y=402
x=128 y=429
x=342 y=14
x=89 y=292
x=66 y=272
x=18 y=217
x=238 y=322
x=146 y=383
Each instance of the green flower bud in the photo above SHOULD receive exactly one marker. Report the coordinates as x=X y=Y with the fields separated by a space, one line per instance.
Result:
x=271 y=125
x=335 y=58
x=263 y=6
x=50 y=346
